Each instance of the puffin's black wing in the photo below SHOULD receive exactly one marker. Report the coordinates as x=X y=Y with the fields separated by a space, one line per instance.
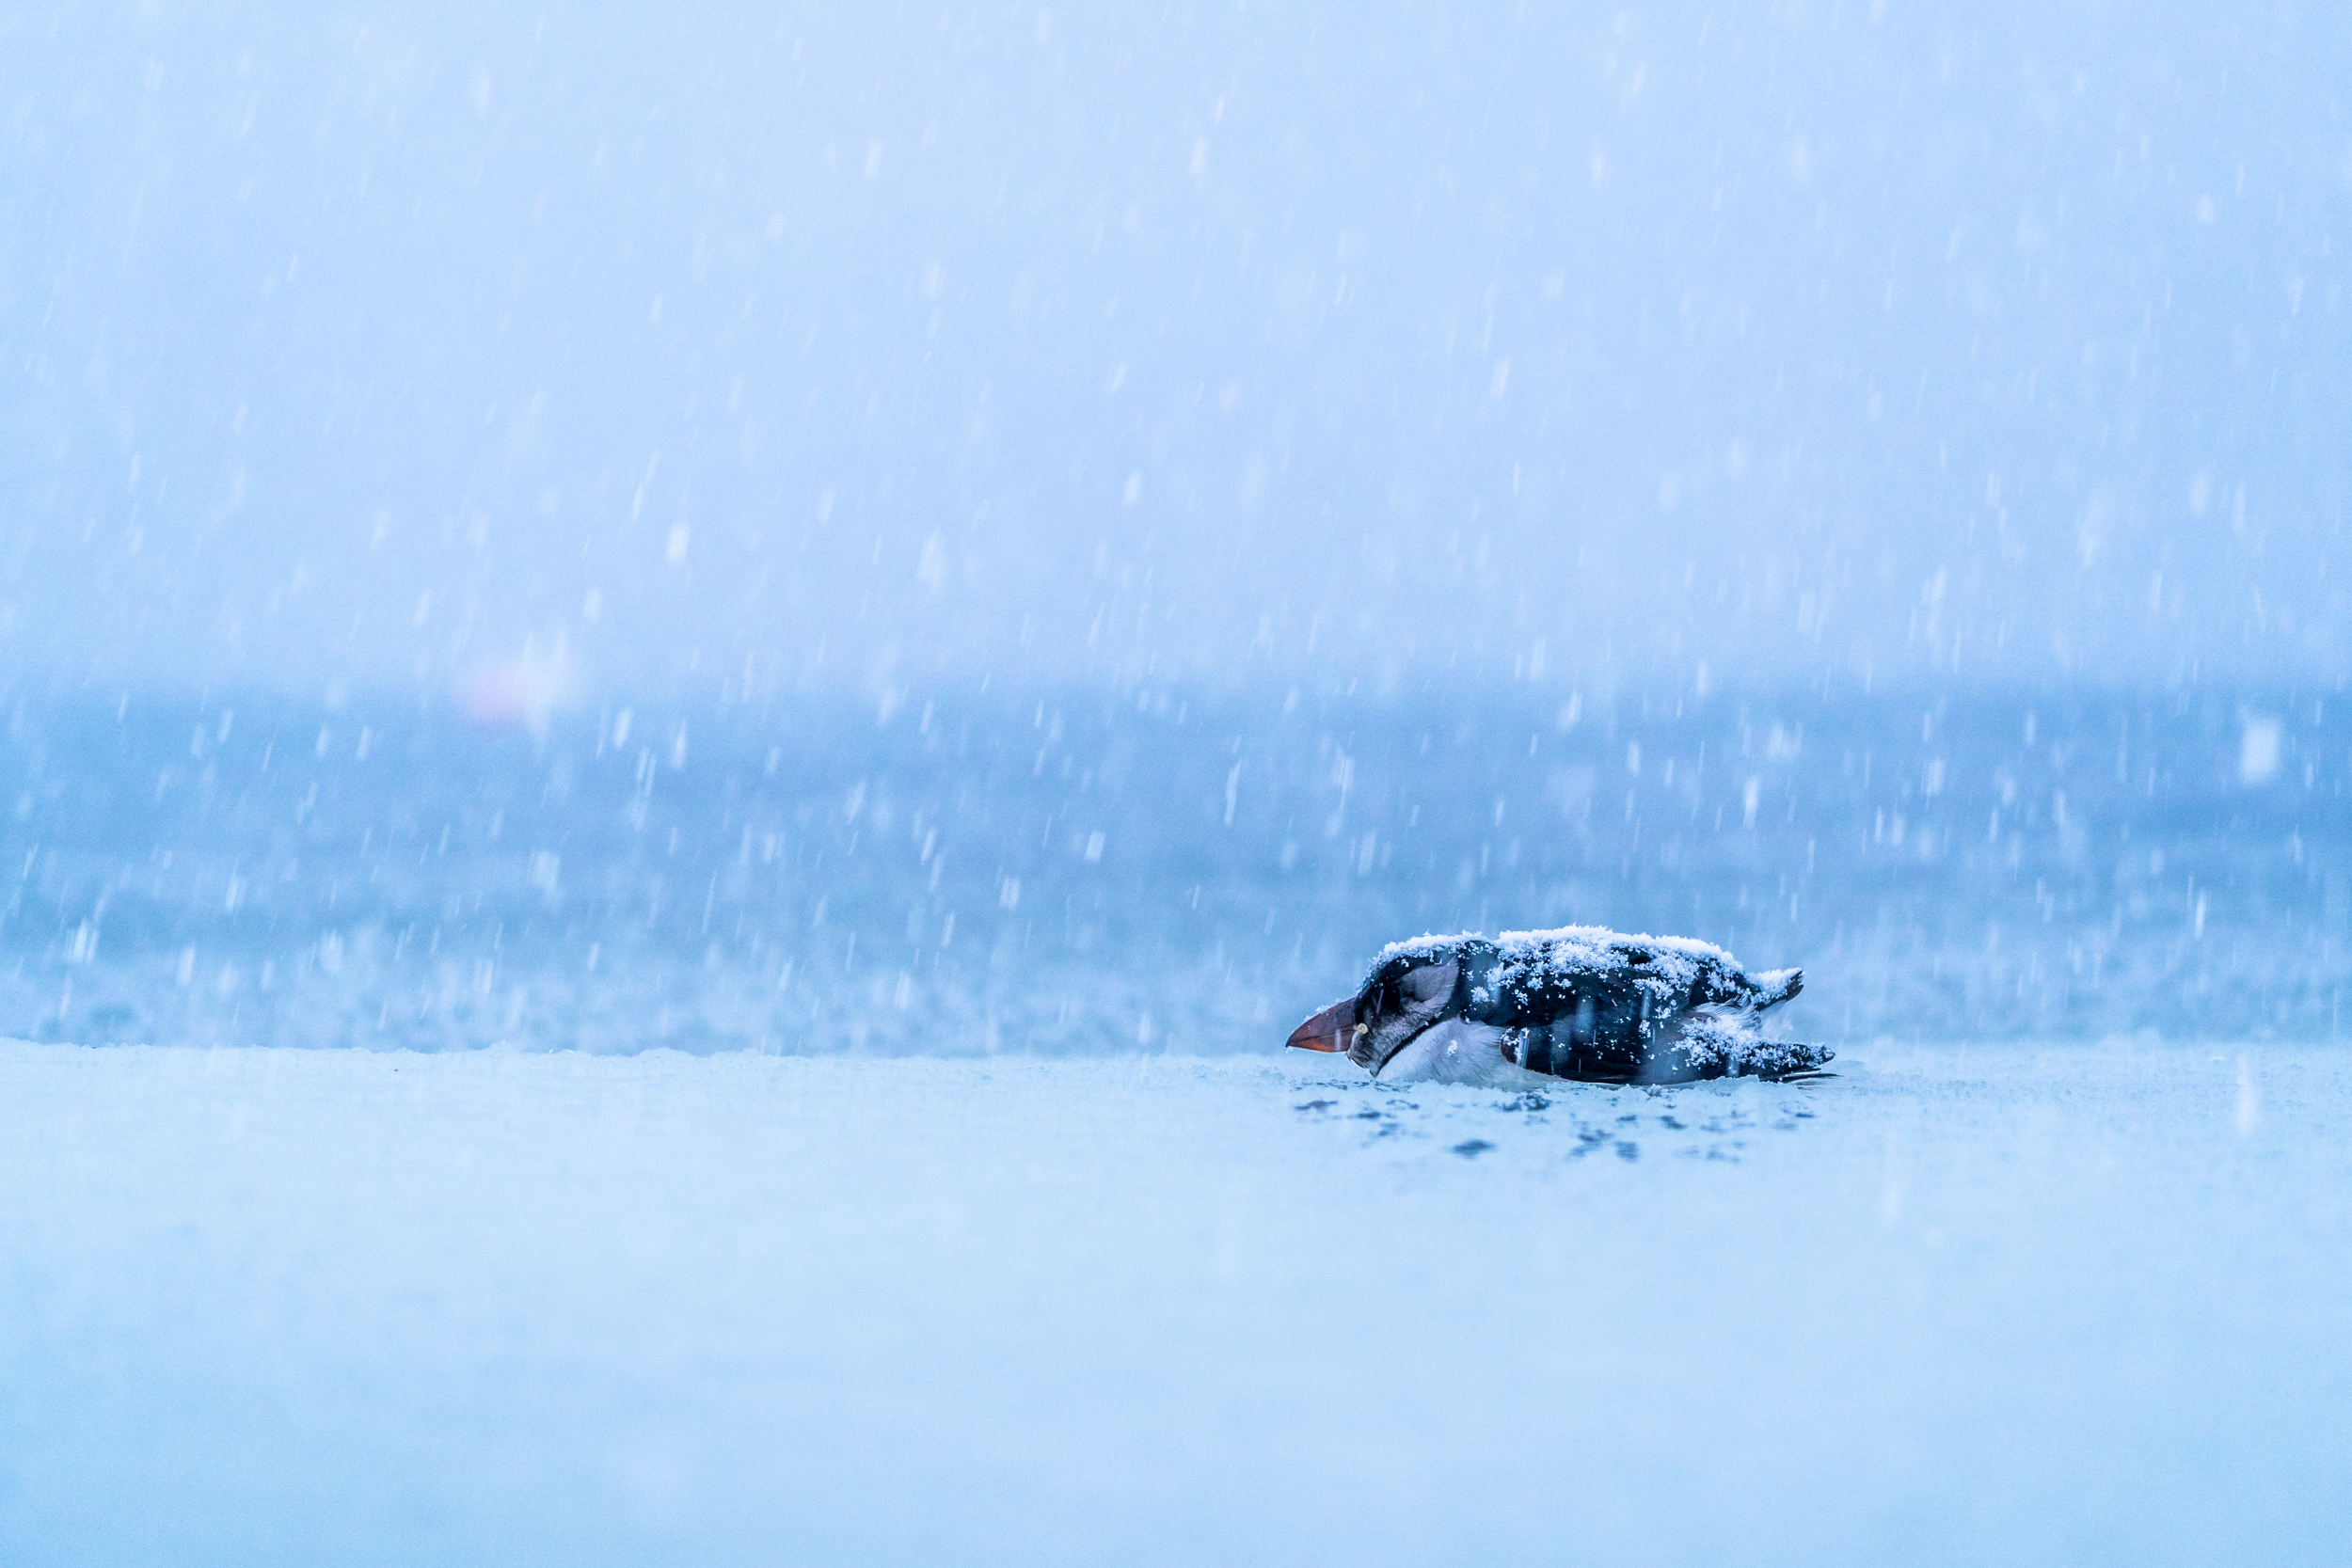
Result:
x=1618 y=1020
x=1593 y=1024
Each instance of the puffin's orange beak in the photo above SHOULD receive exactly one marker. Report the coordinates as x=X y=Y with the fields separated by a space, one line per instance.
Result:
x=1329 y=1030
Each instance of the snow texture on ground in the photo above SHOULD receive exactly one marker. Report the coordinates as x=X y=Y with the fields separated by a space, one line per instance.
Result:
x=1970 y=1305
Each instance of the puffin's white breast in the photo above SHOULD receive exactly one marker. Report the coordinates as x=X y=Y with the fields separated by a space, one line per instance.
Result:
x=1457 y=1052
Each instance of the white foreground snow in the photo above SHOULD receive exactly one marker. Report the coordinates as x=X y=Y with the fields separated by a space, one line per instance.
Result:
x=2007 y=1305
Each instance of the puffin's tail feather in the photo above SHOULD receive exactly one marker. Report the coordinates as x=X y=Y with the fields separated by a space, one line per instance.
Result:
x=1779 y=985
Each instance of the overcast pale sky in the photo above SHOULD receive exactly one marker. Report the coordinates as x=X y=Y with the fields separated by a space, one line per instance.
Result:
x=1672 y=343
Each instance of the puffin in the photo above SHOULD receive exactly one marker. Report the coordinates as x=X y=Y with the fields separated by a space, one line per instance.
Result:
x=1581 y=1003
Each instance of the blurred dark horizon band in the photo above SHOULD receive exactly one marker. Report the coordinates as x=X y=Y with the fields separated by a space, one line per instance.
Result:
x=1160 y=869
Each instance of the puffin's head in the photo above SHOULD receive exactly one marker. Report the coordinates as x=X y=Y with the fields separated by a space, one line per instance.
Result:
x=1405 y=995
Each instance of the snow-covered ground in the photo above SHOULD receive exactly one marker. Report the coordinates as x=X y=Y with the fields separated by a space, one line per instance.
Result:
x=2011 y=1302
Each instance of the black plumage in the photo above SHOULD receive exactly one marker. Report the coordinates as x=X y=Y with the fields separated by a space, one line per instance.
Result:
x=1580 y=1003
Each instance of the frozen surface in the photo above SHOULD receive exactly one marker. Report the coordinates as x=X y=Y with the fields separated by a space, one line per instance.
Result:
x=2000 y=1303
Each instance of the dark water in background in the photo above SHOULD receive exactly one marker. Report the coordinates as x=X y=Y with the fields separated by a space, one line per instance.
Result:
x=967 y=872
